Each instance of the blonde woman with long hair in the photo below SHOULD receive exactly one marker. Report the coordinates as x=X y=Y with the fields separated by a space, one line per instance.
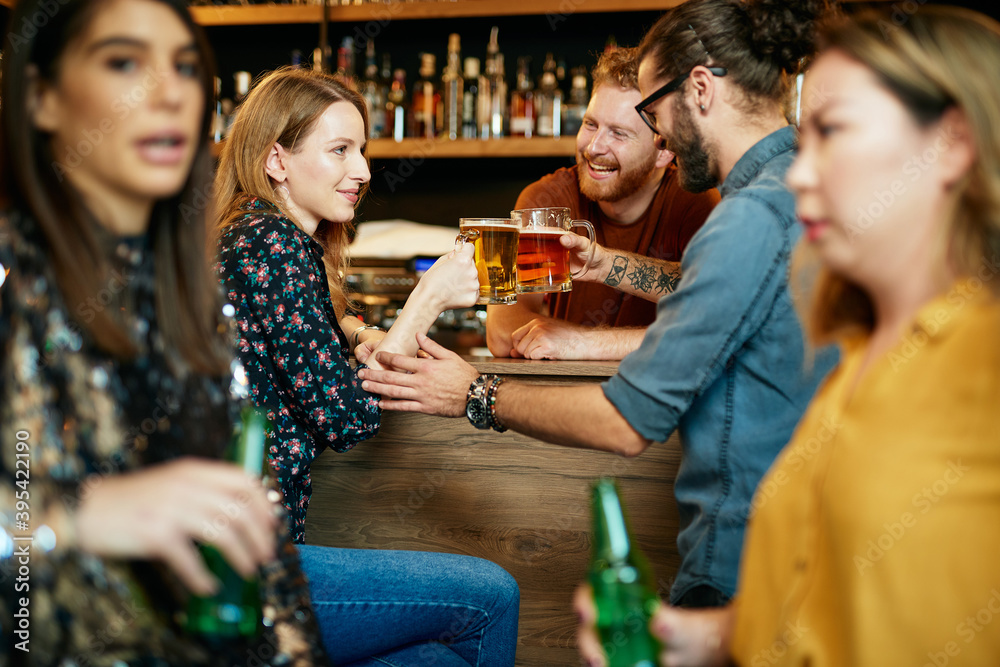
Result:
x=288 y=182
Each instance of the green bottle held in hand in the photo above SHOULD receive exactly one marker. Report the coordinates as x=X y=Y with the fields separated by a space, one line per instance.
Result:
x=622 y=583
x=234 y=611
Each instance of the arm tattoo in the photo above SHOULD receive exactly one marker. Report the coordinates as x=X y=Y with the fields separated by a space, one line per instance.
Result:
x=667 y=282
x=617 y=271
x=642 y=277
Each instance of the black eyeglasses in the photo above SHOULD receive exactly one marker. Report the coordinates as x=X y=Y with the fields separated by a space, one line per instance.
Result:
x=674 y=84
x=666 y=89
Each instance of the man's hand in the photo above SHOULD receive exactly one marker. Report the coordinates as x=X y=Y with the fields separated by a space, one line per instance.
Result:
x=578 y=248
x=690 y=637
x=548 y=338
x=587 y=641
x=437 y=385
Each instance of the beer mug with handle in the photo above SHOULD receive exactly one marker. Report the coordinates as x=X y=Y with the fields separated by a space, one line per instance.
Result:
x=495 y=242
x=542 y=261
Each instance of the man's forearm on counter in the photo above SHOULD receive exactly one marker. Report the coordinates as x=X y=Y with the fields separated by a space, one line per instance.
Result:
x=576 y=416
x=612 y=344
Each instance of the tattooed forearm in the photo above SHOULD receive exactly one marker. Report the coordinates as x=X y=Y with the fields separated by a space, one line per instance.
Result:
x=647 y=277
x=617 y=271
x=667 y=282
x=643 y=277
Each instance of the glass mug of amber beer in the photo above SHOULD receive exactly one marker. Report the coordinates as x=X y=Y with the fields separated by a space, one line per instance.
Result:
x=542 y=261
x=495 y=241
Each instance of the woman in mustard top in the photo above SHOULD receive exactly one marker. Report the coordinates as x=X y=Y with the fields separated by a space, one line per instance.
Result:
x=874 y=537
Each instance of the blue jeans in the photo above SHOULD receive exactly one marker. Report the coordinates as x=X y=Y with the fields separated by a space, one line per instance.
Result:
x=409 y=608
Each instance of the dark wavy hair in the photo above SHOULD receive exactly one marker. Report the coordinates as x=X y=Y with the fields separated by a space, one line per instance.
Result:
x=760 y=42
x=186 y=289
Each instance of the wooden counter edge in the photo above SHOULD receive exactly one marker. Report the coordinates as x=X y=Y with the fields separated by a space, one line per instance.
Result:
x=513 y=367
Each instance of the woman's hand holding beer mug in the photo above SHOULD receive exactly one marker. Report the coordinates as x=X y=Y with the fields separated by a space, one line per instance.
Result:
x=451 y=282
x=690 y=637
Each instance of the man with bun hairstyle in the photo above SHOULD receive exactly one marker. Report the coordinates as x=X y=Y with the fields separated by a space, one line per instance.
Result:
x=724 y=363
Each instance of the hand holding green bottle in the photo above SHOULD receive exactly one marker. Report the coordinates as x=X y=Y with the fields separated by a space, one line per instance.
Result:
x=234 y=610
x=622 y=621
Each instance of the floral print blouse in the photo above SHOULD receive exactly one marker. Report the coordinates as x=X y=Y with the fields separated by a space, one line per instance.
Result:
x=294 y=351
x=71 y=415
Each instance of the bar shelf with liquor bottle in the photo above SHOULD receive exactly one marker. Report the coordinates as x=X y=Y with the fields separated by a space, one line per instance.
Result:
x=216 y=15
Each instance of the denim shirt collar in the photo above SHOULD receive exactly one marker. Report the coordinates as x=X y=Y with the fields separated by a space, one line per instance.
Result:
x=748 y=166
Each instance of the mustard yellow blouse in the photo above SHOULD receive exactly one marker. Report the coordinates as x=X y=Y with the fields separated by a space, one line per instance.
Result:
x=875 y=537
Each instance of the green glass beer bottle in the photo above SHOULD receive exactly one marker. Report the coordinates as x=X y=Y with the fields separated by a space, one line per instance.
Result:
x=622 y=583
x=234 y=611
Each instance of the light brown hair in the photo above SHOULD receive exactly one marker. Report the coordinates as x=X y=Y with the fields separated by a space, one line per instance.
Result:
x=283 y=107
x=618 y=66
x=933 y=61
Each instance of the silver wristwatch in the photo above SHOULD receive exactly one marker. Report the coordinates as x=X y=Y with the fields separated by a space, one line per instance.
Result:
x=476 y=407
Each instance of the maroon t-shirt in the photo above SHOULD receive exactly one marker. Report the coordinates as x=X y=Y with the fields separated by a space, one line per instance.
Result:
x=663 y=232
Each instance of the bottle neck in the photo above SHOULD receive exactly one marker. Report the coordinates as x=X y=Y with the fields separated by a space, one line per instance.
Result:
x=611 y=537
x=248 y=447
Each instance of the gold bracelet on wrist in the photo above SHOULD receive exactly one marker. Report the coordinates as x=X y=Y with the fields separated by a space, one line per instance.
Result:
x=357 y=332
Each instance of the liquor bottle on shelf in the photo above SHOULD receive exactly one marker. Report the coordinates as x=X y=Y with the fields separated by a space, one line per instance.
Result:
x=499 y=113
x=373 y=91
x=345 y=61
x=451 y=90
x=622 y=584
x=242 y=84
x=426 y=100
x=522 y=102
x=486 y=97
x=241 y=81
x=234 y=611
x=226 y=107
x=218 y=119
x=395 y=106
x=548 y=102
x=576 y=106
x=386 y=70
x=498 y=86
x=470 y=99
x=484 y=102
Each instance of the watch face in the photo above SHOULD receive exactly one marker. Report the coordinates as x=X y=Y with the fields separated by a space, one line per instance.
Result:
x=476 y=412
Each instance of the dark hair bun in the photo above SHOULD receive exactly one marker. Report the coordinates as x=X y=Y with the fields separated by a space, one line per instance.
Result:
x=785 y=30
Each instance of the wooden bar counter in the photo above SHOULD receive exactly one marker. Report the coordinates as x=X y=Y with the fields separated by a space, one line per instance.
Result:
x=433 y=484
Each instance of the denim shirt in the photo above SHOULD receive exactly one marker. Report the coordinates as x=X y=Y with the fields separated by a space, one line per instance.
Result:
x=724 y=363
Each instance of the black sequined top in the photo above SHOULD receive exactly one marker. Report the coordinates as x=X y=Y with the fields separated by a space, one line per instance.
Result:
x=85 y=416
